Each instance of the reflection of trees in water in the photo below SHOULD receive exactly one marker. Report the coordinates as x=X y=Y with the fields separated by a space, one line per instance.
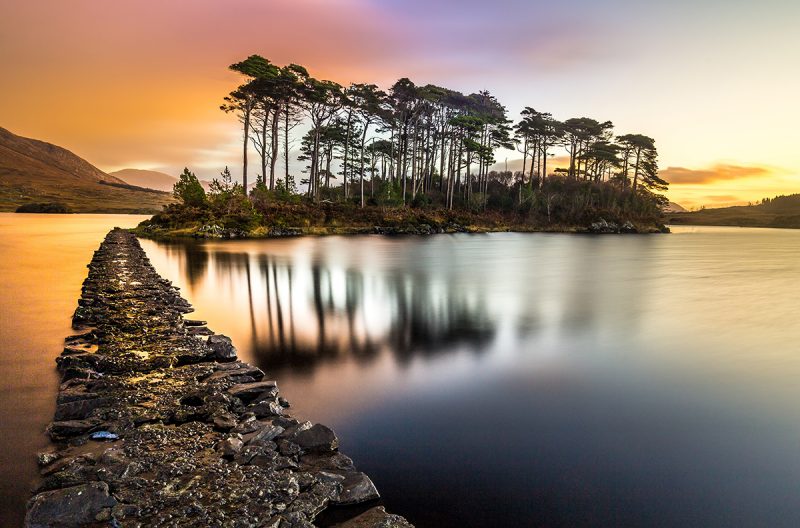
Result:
x=191 y=256
x=300 y=316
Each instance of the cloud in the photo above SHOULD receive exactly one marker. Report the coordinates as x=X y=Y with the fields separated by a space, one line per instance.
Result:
x=723 y=198
x=719 y=172
x=515 y=165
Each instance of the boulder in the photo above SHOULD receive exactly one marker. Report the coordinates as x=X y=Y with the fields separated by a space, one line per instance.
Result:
x=73 y=506
x=318 y=438
x=356 y=487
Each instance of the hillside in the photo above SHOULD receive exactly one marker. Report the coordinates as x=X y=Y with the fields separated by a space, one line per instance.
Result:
x=33 y=171
x=781 y=211
x=149 y=179
x=673 y=207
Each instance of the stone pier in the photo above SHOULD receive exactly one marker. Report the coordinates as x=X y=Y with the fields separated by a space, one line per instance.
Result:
x=158 y=424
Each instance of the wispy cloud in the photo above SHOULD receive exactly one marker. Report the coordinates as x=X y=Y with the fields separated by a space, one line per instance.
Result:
x=719 y=172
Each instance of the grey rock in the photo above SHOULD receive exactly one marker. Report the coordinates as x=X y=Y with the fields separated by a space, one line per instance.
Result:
x=264 y=435
x=64 y=429
x=78 y=409
x=222 y=347
x=224 y=421
x=73 y=506
x=248 y=392
x=266 y=409
x=45 y=459
x=318 y=438
x=356 y=488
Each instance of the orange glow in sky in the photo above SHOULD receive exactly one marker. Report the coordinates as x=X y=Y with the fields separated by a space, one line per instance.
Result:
x=139 y=84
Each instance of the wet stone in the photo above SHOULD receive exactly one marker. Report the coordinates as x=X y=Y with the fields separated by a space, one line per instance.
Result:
x=317 y=438
x=70 y=506
x=222 y=347
x=252 y=392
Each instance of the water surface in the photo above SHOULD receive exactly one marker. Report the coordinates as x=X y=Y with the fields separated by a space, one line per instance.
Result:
x=532 y=379
x=43 y=262
x=481 y=380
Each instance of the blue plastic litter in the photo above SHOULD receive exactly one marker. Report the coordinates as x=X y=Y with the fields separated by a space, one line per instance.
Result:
x=104 y=435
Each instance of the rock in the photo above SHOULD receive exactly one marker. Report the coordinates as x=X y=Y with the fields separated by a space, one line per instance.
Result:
x=194 y=322
x=230 y=446
x=224 y=421
x=78 y=409
x=203 y=331
x=601 y=227
x=64 y=429
x=222 y=347
x=45 y=458
x=628 y=227
x=266 y=434
x=236 y=374
x=318 y=438
x=376 y=518
x=73 y=506
x=356 y=488
x=249 y=392
x=266 y=409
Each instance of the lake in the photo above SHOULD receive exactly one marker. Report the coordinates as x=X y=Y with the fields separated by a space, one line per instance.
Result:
x=480 y=380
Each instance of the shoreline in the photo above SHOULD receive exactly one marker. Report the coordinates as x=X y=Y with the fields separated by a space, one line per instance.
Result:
x=218 y=232
x=157 y=422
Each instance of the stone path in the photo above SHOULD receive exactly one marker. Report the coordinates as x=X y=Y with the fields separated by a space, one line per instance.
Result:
x=158 y=425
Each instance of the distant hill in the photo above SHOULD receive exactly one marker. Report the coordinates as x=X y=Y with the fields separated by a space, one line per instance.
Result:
x=673 y=207
x=781 y=211
x=156 y=180
x=32 y=171
x=149 y=179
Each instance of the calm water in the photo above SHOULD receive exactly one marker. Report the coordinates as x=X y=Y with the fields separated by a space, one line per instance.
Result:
x=42 y=266
x=489 y=380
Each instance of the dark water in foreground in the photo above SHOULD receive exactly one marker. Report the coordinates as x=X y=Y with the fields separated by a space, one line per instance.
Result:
x=492 y=380
x=533 y=380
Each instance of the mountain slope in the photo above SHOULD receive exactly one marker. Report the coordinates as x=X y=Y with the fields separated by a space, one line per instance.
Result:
x=146 y=178
x=33 y=171
x=781 y=211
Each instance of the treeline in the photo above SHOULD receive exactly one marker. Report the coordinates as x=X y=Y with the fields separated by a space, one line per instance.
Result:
x=429 y=146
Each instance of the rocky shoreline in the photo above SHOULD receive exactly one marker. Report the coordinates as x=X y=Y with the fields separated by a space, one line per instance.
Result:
x=214 y=231
x=158 y=424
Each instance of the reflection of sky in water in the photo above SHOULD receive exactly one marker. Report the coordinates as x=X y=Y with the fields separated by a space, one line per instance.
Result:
x=628 y=380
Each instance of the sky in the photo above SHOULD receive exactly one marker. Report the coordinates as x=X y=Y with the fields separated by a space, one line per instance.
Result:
x=138 y=84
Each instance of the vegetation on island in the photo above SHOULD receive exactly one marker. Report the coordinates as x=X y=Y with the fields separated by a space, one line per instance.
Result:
x=414 y=156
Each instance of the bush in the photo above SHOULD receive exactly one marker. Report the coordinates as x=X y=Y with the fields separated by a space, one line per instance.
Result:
x=52 y=207
x=188 y=189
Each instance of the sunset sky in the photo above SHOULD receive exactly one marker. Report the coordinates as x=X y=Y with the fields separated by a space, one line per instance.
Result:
x=139 y=83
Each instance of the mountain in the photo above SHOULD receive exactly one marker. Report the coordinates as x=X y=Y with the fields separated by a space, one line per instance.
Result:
x=781 y=211
x=146 y=178
x=33 y=171
x=671 y=207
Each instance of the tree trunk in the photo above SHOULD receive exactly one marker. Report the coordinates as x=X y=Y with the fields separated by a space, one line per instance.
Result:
x=247 y=110
x=274 y=157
